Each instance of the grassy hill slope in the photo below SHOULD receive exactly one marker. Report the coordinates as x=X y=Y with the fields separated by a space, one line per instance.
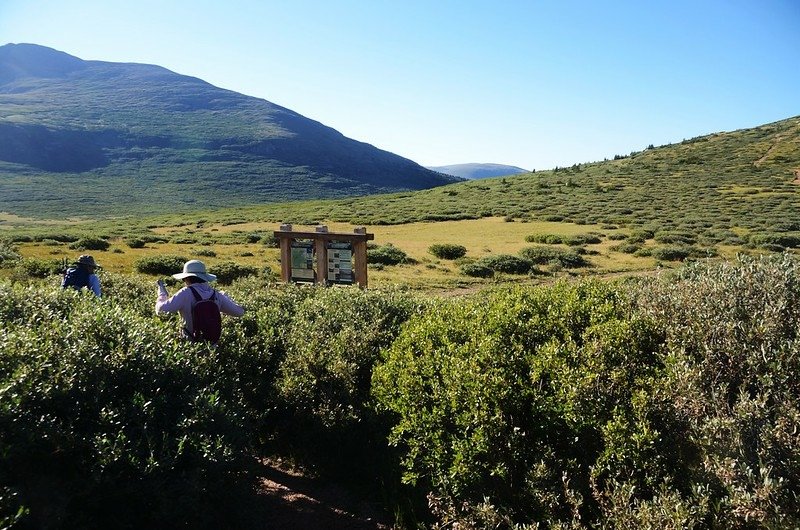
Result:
x=82 y=137
x=719 y=184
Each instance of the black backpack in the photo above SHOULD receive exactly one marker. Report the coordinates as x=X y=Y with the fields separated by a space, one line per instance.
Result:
x=206 y=318
x=75 y=277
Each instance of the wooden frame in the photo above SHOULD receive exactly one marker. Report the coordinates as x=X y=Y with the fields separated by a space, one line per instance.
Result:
x=320 y=237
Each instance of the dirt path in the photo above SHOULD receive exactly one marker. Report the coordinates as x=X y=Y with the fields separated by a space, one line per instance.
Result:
x=289 y=500
x=761 y=160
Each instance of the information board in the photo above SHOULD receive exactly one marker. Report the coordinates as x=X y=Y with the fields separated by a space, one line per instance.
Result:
x=340 y=262
x=302 y=261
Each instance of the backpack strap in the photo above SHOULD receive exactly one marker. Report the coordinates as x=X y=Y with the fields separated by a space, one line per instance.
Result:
x=197 y=296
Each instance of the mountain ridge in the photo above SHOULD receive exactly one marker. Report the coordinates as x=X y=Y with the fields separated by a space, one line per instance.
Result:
x=121 y=127
x=475 y=171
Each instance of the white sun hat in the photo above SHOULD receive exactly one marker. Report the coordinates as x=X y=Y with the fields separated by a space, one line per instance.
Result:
x=195 y=268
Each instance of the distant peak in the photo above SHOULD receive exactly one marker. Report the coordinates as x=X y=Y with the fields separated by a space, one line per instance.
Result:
x=479 y=171
x=33 y=60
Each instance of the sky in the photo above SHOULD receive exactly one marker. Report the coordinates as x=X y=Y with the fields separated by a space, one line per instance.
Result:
x=529 y=83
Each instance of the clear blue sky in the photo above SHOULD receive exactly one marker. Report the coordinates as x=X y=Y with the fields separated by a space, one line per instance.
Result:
x=528 y=83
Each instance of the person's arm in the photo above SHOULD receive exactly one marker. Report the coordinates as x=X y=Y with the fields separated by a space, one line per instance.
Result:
x=171 y=304
x=228 y=306
x=94 y=285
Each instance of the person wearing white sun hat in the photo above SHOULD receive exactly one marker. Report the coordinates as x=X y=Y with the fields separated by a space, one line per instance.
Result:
x=197 y=289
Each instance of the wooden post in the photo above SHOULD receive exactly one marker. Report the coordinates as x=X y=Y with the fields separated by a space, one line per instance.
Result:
x=360 y=263
x=321 y=250
x=286 y=254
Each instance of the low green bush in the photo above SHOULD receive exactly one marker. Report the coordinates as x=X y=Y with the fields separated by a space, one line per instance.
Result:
x=229 y=271
x=269 y=240
x=506 y=263
x=90 y=243
x=626 y=248
x=163 y=265
x=136 y=242
x=477 y=270
x=536 y=372
x=447 y=251
x=27 y=268
x=786 y=240
x=8 y=254
x=386 y=254
x=548 y=239
x=677 y=237
x=543 y=255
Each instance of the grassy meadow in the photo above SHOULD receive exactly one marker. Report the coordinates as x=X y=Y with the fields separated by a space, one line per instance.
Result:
x=216 y=243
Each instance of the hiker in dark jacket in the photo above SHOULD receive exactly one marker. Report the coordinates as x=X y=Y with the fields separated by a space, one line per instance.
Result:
x=196 y=281
x=82 y=274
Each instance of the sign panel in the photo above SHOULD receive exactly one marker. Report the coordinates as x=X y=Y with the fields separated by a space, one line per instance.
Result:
x=340 y=262
x=302 y=261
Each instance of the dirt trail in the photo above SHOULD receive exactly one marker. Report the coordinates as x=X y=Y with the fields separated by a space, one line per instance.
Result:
x=287 y=500
x=761 y=160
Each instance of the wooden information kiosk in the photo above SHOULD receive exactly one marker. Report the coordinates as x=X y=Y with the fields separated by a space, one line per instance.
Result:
x=324 y=257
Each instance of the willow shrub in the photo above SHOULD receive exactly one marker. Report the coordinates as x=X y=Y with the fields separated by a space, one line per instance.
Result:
x=503 y=399
x=733 y=357
x=332 y=344
x=662 y=403
x=104 y=412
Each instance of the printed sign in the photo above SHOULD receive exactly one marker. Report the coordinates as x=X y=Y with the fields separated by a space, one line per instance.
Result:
x=302 y=261
x=340 y=262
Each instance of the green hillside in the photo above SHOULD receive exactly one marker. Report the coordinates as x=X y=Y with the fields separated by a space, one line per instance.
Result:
x=718 y=185
x=82 y=137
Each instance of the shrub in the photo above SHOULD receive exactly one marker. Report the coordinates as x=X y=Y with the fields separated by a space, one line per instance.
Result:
x=228 y=271
x=161 y=265
x=8 y=254
x=680 y=253
x=269 y=240
x=136 y=242
x=90 y=243
x=447 y=251
x=542 y=255
x=670 y=253
x=477 y=270
x=640 y=236
x=524 y=370
x=506 y=263
x=684 y=238
x=778 y=239
x=113 y=412
x=548 y=239
x=387 y=255
x=205 y=252
x=36 y=268
x=626 y=248
x=582 y=239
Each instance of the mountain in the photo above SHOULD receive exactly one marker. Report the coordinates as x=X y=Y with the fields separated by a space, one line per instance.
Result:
x=478 y=171
x=78 y=138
